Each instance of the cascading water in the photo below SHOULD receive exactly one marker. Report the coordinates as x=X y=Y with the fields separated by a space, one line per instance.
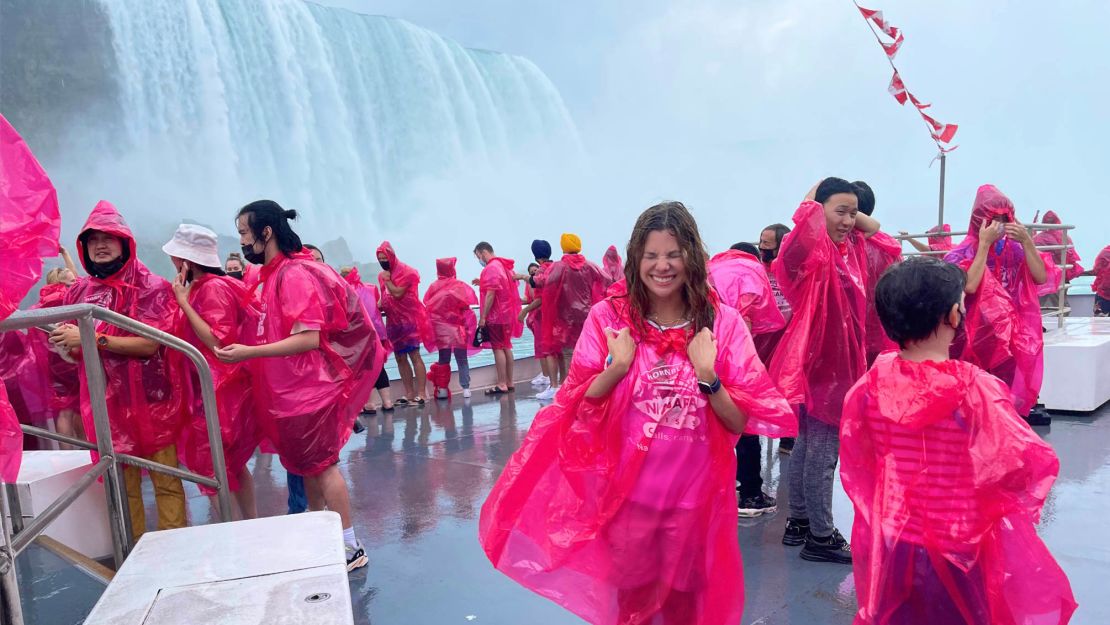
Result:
x=338 y=114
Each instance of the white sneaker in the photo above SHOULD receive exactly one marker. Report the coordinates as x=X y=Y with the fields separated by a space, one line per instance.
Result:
x=541 y=380
x=466 y=393
x=356 y=557
x=548 y=394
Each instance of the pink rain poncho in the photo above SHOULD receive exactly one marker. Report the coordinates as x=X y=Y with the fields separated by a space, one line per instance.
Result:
x=1057 y=237
x=611 y=266
x=1101 y=285
x=65 y=389
x=948 y=484
x=406 y=320
x=147 y=397
x=939 y=242
x=623 y=507
x=570 y=287
x=1002 y=330
x=29 y=227
x=448 y=302
x=535 y=317
x=217 y=300
x=882 y=252
x=370 y=297
x=498 y=278
x=307 y=402
x=822 y=352
x=741 y=281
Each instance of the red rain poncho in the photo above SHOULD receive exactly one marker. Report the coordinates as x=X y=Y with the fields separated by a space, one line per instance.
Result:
x=1057 y=237
x=1002 y=330
x=448 y=301
x=217 y=300
x=882 y=252
x=147 y=397
x=821 y=354
x=307 y=402
x=611 y=266
x=29 y=227
x=939 y=242
x=497 y=278
x=65 y=388
x=948 y=483
x=626 y=505
x=742 y=283
x=570 y=287
x=1101 y=285
x=370 y=297
x=406 y=320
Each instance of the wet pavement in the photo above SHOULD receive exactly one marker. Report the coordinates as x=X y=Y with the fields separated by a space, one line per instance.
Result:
x=418 y=480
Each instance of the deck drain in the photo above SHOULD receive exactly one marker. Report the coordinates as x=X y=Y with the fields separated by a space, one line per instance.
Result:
x=317 y=597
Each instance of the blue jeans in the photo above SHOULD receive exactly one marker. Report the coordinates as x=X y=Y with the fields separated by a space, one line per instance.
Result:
x=461 y=360
x=298 y=501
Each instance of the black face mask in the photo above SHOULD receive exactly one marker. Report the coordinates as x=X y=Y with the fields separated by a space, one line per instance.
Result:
x=256 y=258
x=767 y=255
x=103 y=270
x=384 y=264
x=238 y=275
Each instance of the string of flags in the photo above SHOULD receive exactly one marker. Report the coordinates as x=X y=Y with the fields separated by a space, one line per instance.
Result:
x=941 y=133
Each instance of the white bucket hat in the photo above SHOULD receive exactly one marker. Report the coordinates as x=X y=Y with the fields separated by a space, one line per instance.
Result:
x=196 y=244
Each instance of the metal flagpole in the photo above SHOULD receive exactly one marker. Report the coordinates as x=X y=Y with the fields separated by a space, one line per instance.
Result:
x=940 y=210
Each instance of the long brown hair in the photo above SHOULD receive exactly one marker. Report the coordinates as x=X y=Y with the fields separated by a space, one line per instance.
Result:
x=670 y=217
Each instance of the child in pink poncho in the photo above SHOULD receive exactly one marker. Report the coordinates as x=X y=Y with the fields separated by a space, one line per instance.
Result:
x=620 y=503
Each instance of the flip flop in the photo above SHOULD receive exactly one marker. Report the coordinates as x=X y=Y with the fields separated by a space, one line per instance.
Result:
x=495 y=391
x=390 y=409
x=400 y=401
x=368 y=411
x=419 y=401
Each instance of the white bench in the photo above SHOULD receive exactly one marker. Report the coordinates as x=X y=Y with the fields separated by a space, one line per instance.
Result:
x=43 y=477
x=1076 y=364
x=277 y=570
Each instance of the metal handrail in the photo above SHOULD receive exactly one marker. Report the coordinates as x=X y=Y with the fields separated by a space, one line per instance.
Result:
x=87 y=315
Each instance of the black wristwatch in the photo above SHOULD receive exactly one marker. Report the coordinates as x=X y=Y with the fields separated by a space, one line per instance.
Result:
x=710 y=388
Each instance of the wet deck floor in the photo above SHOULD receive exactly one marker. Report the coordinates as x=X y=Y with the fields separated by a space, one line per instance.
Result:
x=419 y=479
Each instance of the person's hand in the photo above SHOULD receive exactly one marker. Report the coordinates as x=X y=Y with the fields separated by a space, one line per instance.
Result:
x=811 y=196
x=522 y=316
x=181 y=288
x=386 y=275
x=62 y=251
x=475 y=282
x=519 y=277
x=481 y=322
x=904 y=233
x=989 y=233
x=234 y=353
x=66 y=336
x=1017 y=232
x=702 y=351
x=622 y=349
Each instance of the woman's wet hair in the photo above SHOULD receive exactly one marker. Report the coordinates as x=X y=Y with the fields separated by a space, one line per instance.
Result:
x=672 y=217
x=262 y=214
x=915 y=296
x=780 y=231
x=831 y=186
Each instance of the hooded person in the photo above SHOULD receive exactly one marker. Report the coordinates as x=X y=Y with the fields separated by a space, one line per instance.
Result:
x=946 y=479
x=883 y=251
x=571 y=287
x=1058 y=237
x=212 y=316
x=1101 y=285
x=406 y=321
x=611 y=266
x=146 y=385
x=532 y=314
x=499 y=312
x=448 y=301
x=822 y=269
x=313 y=359
x=620 y=505
x=1006 y=276
x=371 y=301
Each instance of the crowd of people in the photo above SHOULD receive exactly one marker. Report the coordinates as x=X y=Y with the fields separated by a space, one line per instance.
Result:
x=659 y=375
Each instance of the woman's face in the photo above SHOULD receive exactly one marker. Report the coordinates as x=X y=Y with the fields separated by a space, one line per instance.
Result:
x=66 y=277
x=233 y=265
x=768 y=241
x=532 y=270
x=663 y=265
x=316 y=256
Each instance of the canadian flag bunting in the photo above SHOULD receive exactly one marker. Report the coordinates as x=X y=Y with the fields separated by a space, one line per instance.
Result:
x=941 y=133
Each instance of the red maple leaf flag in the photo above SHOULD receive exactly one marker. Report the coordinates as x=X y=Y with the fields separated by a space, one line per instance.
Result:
x=892 y=48
x=898 y=89
x=917 y=102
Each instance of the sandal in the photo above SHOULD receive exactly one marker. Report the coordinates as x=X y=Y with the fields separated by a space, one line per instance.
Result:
x=368 y=412
x=400 y=401
x=495 y=391
x=387 y=408
x=419 y=401
x=511 y=389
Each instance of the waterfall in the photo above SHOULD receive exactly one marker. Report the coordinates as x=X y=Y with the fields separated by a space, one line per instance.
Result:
x=338 y=114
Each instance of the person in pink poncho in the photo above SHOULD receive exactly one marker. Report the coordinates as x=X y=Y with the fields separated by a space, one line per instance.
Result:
x=449 y=302
x=499 y=312
x=947 y=480
x=1101 y=285
x=1058 y=237
x=552 y=367
x=66 y=389
x=570 y=287
x=738 y=277
x=939 y=240
x=619 y=505
x=822 y=269
x=611 y=266
x=406 y=322
x=370 y=297
x=1005 y=277
x=147 y=391
x=313 y=361
x=213 y=315
x=883 y=251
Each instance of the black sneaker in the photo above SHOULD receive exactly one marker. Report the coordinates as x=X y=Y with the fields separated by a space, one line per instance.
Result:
x=356 y=558
x=756 y=506
x=1039 y=416
x=831 y=549
x=786 y=445
x=359 y=428
x=796 y=532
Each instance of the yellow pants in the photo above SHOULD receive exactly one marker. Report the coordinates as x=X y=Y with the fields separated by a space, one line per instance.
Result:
x=169 y=495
